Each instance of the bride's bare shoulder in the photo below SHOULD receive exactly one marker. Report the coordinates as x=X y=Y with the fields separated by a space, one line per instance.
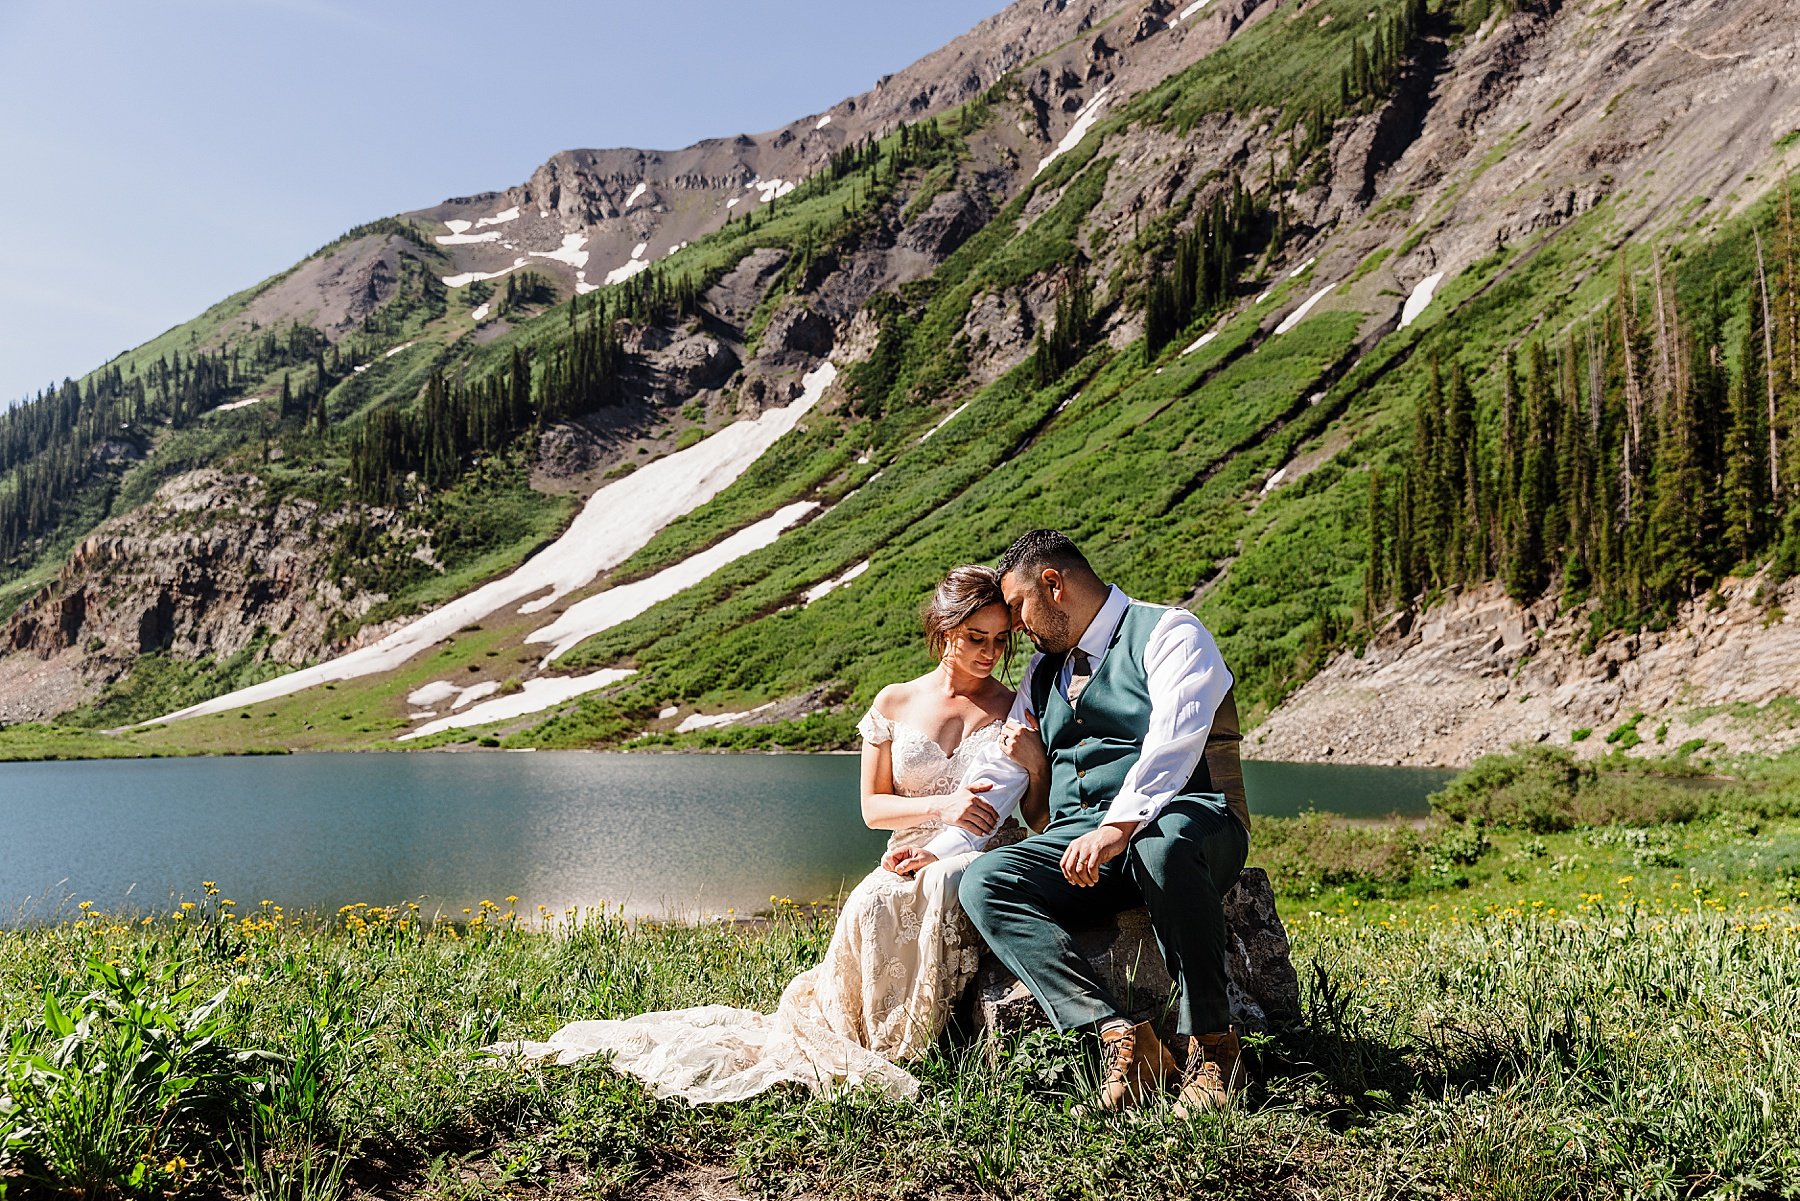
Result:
x=894 y=697
x=898 y=698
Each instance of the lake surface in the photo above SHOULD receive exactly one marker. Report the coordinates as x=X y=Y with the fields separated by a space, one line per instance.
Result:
x=661 y=834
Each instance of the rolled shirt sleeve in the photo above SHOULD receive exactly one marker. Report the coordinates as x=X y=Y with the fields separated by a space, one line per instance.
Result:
x=992 y=766
x=1187 y=681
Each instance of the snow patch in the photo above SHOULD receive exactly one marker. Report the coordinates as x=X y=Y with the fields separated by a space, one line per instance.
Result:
x=836 y=582
x=481 y=313
x=1296 y=272
x=701 y=721
x=679 y=246
x=619 y=275
x=771 y=189
x=432 y=693
x=388 y=354
x=492 y=235
x=616 y=521
x=946 y=421
x=1420 y=298
x=500 y=218
x=582 y=286
x=1298 y=315
x=536 y=696
x=733 y=202
x=240 y=404
x=475 y=692
x=457 y=227
x=1274 y=481
x=1189 y=11
x=469 y=277
x=569 y=252
x=823 y=121
x=604 y=610
x=635 y=193
x=1084 y=121
x=1197 y=343
x=666 y=714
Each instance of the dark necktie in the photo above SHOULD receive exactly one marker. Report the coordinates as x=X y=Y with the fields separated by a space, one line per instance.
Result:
x=1081 y=670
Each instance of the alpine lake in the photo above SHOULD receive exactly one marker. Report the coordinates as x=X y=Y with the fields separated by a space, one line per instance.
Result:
x=675 y=835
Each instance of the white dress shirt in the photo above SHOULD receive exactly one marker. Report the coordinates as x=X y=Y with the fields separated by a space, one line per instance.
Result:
x=1187 y=680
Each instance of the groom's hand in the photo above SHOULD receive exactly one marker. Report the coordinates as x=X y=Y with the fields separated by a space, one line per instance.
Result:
x=965 y=808
x=1081 y=861
x=904 y=861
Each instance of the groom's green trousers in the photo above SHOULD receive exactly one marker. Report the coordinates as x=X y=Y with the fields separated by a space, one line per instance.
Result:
x=1179 y=866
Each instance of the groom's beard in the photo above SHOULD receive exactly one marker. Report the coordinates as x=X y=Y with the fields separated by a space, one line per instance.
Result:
x=1051 y=633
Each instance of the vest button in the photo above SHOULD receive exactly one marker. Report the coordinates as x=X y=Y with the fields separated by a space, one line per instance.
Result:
x=1081 y=774
x=1080 y=721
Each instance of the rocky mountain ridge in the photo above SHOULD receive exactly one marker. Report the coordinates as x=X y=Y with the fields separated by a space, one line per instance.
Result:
x=591 y=217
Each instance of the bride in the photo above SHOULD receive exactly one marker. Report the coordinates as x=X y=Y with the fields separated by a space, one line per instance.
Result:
x=902 y=950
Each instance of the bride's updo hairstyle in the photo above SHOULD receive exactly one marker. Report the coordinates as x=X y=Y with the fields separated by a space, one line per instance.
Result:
x=964 y=592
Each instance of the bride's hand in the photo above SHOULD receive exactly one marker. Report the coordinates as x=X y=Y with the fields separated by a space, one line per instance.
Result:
x=965 y=808
x=904 y=861
x=1025 y=746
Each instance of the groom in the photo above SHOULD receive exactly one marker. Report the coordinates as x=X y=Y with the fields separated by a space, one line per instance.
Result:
x=1146 y=808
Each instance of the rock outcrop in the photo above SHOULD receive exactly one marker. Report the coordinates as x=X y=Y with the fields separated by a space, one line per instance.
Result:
x=208 y=568
x=1264 y=990
x=1480 y=673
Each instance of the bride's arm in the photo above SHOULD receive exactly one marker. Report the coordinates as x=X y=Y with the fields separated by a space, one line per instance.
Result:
x=882 y=807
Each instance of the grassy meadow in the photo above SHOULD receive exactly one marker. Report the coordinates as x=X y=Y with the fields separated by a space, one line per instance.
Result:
x=1568 y=982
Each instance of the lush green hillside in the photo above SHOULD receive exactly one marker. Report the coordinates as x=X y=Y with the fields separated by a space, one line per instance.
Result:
x=1243 y=476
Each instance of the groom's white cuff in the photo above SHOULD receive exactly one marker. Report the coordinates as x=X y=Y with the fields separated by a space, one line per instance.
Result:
x=1131 y=807
x=951 y=840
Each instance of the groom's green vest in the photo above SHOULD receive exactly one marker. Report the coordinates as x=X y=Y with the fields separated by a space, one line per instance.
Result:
x=1094 y=744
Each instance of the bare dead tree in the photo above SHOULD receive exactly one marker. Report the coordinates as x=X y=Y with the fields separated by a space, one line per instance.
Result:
x=1762 y=282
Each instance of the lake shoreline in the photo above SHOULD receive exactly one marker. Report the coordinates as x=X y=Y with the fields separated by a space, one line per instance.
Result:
x=666 y=832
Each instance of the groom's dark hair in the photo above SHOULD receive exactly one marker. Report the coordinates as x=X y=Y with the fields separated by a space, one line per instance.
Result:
x=1031 y=553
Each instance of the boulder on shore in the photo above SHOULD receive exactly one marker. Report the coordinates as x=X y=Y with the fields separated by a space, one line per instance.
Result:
x=1260 y=978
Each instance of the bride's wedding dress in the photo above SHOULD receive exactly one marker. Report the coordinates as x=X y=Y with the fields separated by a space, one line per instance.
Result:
x=901 y=953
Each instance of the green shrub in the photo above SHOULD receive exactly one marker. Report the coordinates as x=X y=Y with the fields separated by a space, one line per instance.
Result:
x=1544 y=789
x=120 y=1086
x=1626 y=736
x=1533 y=790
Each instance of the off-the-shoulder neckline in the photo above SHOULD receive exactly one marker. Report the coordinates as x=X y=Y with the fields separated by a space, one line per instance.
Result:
x=923 y=735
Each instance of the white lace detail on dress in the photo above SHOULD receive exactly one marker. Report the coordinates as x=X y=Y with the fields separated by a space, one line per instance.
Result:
x=901 y=953
x=875 y=729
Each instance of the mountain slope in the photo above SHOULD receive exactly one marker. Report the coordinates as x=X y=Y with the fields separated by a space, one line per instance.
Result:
x=1375 y=190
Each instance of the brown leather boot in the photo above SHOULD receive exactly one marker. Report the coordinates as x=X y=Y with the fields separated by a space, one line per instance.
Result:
x=1136 y=1065
x=1214 y=1073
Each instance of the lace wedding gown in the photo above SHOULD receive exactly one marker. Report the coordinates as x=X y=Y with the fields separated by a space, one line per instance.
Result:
x=901 y=953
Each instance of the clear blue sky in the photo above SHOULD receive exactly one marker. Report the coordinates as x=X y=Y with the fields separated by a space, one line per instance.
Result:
x=158 y=156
